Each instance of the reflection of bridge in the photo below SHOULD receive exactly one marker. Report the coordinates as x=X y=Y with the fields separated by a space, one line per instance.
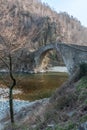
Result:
x=72 y=55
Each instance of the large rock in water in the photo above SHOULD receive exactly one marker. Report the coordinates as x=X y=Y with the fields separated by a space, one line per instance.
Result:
x=83 y=126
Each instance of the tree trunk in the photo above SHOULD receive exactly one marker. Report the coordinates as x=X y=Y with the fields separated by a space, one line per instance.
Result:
x=11 y=105
x=11 y=101
x=11 y=90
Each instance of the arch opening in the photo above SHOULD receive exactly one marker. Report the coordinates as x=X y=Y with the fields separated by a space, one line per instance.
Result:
x=50 y=58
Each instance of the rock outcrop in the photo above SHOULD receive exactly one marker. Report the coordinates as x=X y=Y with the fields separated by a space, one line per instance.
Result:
x=30 y=24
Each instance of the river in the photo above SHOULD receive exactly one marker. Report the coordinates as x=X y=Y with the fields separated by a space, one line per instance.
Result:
x=32 y=87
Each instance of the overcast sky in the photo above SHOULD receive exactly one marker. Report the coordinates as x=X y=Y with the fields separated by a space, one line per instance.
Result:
x=77 y=8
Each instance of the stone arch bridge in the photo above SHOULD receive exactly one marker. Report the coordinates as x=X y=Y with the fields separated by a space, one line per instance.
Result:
x=72 y=55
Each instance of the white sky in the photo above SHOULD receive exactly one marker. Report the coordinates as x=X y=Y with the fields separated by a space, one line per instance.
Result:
x=76 y=8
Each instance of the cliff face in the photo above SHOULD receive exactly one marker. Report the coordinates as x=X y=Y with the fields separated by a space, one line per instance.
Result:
x=31 y=24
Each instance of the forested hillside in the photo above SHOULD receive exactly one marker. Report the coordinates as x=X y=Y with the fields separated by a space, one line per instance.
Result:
x=39 y=23
x=29 y=24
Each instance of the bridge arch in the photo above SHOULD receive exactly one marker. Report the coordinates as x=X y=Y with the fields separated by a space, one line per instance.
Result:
x=41 y=53
x=73 y=55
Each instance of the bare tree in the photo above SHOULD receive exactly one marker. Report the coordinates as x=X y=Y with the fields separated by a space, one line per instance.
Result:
x=8 y=61
x=6 y=58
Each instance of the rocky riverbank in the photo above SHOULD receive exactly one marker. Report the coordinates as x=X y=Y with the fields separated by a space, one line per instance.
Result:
x=40 y=70
x=18 y=105
x=51 y=69
x=23 y=111
x=58 y=69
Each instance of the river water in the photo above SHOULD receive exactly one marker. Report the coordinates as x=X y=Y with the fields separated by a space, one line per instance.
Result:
x=35 y=86
x=30 y=87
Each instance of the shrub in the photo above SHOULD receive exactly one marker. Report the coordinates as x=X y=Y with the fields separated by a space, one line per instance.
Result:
x=83 y=69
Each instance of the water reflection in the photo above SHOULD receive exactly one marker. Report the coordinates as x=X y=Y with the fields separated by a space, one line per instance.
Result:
x=37 y=86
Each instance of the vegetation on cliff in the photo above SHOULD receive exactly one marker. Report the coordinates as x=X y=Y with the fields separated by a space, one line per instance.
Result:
x=38 y=23
x=29 y=24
